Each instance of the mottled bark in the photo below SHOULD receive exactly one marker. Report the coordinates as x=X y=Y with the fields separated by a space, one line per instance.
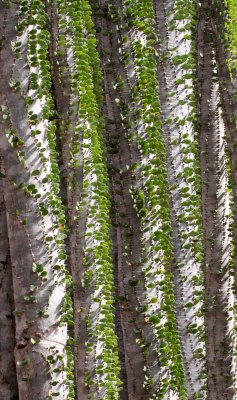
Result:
x=8 y=381
x=39 y=340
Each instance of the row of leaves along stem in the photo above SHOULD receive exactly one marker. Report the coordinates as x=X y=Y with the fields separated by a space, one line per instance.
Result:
x=102 y=374
x=151 y=201
x=32 y=24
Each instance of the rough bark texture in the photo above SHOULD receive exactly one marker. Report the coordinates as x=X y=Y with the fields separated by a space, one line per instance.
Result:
x=8 y=381
x=37 y=335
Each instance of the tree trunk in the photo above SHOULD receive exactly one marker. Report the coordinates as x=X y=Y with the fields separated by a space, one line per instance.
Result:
x=219 y=296
x=8 y=384
x=32 y=208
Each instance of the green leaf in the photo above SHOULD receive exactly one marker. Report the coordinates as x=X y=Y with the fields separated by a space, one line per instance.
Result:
x=57 y=267
x=43 y=273
x=37 y=267
x=36 y=172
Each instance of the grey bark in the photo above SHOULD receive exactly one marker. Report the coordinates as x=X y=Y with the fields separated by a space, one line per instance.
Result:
x=185 y=267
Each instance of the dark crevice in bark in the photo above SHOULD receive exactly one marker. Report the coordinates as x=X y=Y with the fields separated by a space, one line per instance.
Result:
x=118 y=326
x=81 y=299
x=116 y=251
x=219 y=334
x=61 y=105
x=123 y=299
x=61 y=92
x=60 y=101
